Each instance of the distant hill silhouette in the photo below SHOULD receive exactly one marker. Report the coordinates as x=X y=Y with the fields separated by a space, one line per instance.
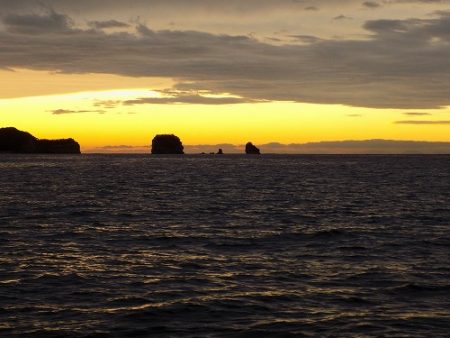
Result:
x=167 y=144
x=251 y=149
x=13 y=140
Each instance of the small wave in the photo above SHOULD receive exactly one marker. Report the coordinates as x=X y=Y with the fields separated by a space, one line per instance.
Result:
x=128 y=301
x=352 y=248
x=330 y=234
x=10 y=281
x=417 y=289
x=356 y=301
x=52 y=278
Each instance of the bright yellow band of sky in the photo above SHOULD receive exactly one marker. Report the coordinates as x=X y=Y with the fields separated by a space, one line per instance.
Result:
x=28 y=99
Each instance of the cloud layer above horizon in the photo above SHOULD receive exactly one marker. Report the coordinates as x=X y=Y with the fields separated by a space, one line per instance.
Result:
x=388 y=54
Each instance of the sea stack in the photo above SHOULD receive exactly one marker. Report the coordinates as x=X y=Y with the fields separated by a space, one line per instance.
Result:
x=167 y=144
x=220 y=152
x=13 y=140
x=250 y=149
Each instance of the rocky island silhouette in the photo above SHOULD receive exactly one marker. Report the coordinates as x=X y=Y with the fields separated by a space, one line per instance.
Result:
x=167 y=144
x=13 y=140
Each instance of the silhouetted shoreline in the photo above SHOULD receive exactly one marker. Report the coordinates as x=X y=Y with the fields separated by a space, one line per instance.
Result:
x=16 y=141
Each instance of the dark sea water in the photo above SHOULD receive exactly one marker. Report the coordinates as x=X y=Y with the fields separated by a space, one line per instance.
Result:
x=231 y=246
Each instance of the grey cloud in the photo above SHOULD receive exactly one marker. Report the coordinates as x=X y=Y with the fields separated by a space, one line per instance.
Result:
x=108 y=24
x=305 y=38
x=389 y=26
x=404 y=63
x=413 y=122
x=37 y=24
x=371 y=4
x=311 y=8
x=416 y=31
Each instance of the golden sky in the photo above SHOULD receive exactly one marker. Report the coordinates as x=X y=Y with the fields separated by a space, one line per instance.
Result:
x=108 y=78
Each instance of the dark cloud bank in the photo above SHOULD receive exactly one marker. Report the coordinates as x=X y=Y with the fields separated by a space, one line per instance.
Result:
x=400 y=64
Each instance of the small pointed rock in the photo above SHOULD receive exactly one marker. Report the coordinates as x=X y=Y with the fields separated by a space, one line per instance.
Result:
x=251 y=149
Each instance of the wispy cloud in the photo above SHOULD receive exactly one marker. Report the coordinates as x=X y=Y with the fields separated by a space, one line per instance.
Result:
x=416 y=114
x=305 y=38
x=177 y=97
x=108 y=24
x=173 y=96
x=107 y=104
x=445 y=122
x=342 y=17
x=68 y=111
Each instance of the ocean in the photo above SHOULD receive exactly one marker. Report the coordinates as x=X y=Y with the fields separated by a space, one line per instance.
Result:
x=224 y=246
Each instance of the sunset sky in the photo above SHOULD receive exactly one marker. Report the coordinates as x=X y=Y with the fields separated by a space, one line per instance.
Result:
x=113 y=73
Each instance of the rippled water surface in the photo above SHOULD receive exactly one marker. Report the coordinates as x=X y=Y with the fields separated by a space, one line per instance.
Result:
x=231 y=246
